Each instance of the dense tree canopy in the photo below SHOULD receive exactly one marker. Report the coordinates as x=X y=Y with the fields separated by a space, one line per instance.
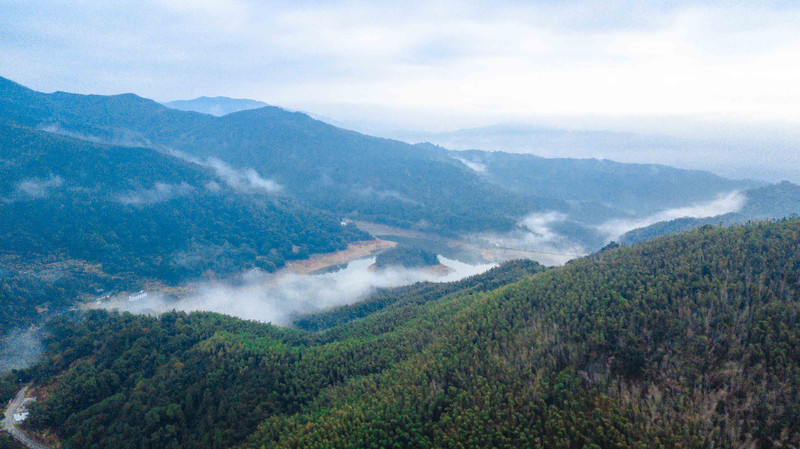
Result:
x=689 y=341
x=406 y=257
x=369 y=178
x=101 y=217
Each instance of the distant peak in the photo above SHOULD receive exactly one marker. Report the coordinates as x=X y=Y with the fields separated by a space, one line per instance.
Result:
x=218 y=106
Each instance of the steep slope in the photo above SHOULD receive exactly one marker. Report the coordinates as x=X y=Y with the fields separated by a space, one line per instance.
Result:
x=368 y=178
x=689 y=341
x=767 y=202
x=134 y=213
x=365 y=177
x=335 y=169
x=409 y=299
x=639 y=188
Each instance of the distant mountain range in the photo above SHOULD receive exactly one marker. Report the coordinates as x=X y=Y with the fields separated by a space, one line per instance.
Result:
x=545 y=141
x=217 y=106
x=352 y=175
x=144 y=191
x=762 y=203
x=78 y=216
x=763 y=154
x=634 y=188
x=368 y=178
x=684 y=341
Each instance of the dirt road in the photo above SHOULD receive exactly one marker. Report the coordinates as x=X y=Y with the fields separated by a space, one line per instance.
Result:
x=8 y=422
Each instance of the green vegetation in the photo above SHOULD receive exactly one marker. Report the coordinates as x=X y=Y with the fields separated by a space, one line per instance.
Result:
x=8 y=387
x=684 y=342
x=6 y=442
x=50 y=284
x=77 y=217
x=369 y=178
x=406 y=257
x=767 y=202
x=406 y=301
x=142 y=211
x=640 y=188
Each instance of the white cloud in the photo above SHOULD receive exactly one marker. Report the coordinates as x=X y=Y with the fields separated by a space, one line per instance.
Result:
x=247 y=180
x=159 y=193
x=540 y=224
x=435 y=65
x=731 y=202
x=39 y=188
x=474 y=166
x=537 y=237
x=278 y=297
x=538 y=231
x=520 y=58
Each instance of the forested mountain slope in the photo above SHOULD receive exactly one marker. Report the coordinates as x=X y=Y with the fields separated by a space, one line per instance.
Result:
x=684 y=342
x=135 y=213
x=335 y=169
x=766 y=202
x=364 y=177
x=640 y=188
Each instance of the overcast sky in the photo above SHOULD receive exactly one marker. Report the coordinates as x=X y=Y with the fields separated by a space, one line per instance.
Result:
x=432 y=64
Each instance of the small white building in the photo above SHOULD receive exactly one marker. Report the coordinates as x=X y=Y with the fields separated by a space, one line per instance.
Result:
x=137 y=296
x=19 y=417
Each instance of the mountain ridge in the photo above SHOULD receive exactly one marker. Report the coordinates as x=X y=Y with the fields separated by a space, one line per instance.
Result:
x=217 y=106
x=111 y=218
x=341 y=171
x=685 y=341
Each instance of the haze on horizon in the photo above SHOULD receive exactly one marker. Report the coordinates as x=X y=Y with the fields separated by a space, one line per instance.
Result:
x=720 y=73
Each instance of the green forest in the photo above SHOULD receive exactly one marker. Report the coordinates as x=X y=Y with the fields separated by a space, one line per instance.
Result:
x=406 y=257
x=78 y=217
x=688 y=341
x=373 y=179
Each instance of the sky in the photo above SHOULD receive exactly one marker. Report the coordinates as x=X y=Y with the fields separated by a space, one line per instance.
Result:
x=430 y=65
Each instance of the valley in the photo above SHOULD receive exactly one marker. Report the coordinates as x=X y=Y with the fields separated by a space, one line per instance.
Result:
x=468 y=248
x=124 y=194
x=624 y=333
x=239 y=224
x=252 y=277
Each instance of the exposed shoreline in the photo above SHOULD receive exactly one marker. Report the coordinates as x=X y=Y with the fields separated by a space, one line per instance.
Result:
x=353 y=251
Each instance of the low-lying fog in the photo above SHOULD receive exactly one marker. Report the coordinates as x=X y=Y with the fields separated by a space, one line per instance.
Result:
x=279 y=297
x=731 y=202
x=544 y=238
x=20 y=349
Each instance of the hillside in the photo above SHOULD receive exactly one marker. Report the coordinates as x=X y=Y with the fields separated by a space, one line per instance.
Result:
x=762 y=203
x=689 y=341
x=106 y=217
x=369 y=178
x=639 y=188
x=406 y=257
x=331 y=168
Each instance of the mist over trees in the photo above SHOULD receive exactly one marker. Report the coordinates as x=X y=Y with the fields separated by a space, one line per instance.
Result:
x=679 y=341
x=687 y=341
